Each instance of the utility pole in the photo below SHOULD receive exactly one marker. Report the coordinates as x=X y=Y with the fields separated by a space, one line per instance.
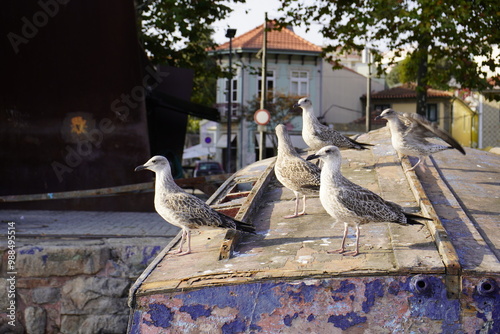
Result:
x=368 y=90
x=263 y=90
x=230 y=33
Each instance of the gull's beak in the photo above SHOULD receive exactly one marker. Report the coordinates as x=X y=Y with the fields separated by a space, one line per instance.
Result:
x=312 y=157
x=296 y=105
x=378 y=117
x=141 y=167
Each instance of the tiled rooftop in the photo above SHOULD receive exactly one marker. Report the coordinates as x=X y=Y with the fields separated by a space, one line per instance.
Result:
x=407 y=91
x=284 y=39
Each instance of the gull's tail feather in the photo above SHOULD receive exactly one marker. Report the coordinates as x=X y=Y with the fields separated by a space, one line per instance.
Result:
x=230 y=222
x=358 y=145
x=410 y=219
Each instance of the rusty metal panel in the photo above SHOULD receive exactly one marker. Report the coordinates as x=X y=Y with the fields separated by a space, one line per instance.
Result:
x=72 y=114
x=383 y=304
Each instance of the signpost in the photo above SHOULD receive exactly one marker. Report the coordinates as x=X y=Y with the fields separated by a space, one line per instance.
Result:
x=262 y=118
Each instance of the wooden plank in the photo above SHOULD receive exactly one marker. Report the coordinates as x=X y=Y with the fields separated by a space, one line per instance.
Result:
x=445 y=247
x=247 y=209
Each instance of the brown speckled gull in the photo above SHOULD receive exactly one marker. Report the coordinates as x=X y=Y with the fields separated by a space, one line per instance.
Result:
x=182 y=209
x=300 y=176
x=348 y=202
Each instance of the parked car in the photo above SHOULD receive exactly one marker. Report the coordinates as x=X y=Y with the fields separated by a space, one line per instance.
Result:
x=203 y=168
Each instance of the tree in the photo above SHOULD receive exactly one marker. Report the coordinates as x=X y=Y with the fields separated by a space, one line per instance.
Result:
x=278 y=105
x=406 y=71
x=457 y=31
x=178 y=33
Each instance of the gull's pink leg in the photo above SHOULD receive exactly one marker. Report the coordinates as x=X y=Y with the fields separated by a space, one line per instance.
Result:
x=342 y=247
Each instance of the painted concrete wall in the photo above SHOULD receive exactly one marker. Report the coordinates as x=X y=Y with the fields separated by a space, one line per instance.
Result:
x=342 y=90
x=464 y=124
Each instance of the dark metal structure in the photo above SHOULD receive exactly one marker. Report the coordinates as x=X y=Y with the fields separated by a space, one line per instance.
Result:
x=80 y=104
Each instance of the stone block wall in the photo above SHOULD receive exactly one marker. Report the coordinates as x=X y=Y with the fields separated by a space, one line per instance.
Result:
x=74 y=285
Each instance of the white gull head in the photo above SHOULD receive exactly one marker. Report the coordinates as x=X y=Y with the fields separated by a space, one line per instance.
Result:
x=305 y=103
x=155 y=164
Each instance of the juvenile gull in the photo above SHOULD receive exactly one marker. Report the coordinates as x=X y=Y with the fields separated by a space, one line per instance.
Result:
x=348 y=202
x=317 y=135
x=409 y=132
x=300 y=176
x=182 y=209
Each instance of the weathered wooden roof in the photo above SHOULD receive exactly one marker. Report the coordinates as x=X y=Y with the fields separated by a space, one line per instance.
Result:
x=296 y=248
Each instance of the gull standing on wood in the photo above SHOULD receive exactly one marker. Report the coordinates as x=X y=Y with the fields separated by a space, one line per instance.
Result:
x=182 y=209
x=348 y=202
x=409 y=132
x=300 y=176
x=317 y=135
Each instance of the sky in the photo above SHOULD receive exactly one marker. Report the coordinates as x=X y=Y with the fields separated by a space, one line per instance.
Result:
x=249 y=15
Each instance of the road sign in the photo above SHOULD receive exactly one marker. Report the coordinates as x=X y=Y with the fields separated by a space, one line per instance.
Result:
x=262 y=117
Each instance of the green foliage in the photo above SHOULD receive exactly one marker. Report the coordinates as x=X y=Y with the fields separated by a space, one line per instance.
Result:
x=193 y=125
x=178 y=33
x=433 y=30
x=279 y=106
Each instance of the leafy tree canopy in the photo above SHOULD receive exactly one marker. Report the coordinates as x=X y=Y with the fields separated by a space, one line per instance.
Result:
x=178 y=33
x=429 y=29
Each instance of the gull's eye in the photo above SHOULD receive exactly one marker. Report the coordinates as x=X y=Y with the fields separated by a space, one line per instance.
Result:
x=328 y=151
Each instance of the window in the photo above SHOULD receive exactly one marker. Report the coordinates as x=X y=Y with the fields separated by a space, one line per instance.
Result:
x=270 y=84
x=234 y=90
x=432 y=113
x=299 y=83
x=381 y=107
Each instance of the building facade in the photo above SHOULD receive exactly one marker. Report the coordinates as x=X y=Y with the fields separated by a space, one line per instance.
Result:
x=294 y=68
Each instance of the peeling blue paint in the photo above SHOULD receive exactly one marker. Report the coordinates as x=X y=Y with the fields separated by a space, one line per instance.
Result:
x=287 y=320
x=311 y=317
x=196 y=311
x=372 y=289
x=31 y=250
x=303 y=292
x=147 y=256
x=254 y=327
x=437 y=306
x=161 y=316
x=236 y=326
x=490 y=305
x=345 y=321
x=337 y=298
x=44 y=258
x=345 y=286
x=247 y=299
x=394 y=288
x=136 y=323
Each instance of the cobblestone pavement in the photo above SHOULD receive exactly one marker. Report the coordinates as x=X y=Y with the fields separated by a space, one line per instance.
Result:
x=40 y=223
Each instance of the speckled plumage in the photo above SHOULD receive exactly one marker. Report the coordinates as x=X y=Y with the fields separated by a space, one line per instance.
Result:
x=350 y=203
x=182 y=209
x=409 y=133
x=317 y=135
x=295 y=173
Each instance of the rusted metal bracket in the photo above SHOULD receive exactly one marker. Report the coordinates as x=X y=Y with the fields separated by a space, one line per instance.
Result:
x=247 y=209
x=446 y=249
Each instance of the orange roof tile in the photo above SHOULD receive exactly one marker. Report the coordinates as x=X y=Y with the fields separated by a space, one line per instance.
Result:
x=283 y=39
x=407 y=91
